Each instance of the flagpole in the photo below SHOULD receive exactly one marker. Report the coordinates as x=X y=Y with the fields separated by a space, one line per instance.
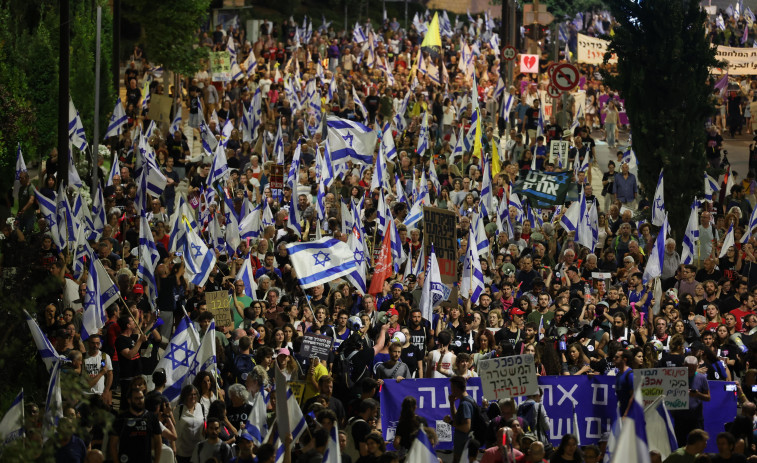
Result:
x=131 y=314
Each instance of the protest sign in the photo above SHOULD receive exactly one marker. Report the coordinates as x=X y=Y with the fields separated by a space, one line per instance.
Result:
x=298 y=389
x=558 y=152
x=276 y=181
x=439 y=230
x=219 y=305
x=672 y=383
x=739 y=61
x=591 y=50
x=506 y=377
x=316 y=345
x=220 y=66
x=160 y=108
x=544 y=189
x=592 y=397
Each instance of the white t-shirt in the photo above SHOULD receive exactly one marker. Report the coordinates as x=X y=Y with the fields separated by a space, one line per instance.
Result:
x=92 y=366
x=446 y=362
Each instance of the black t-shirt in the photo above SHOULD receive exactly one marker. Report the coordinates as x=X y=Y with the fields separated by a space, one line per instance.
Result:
x=135 y=434
x=410 y=357
x=505 y=335
x=128 y=368
x=360 y=429
x=238 y=414
x=419 y=339
x=532 y=118
x=669 y=360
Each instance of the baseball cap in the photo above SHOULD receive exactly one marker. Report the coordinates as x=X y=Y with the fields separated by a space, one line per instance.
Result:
x=508 y=268
x=391 y=312
x=573 y=268
x=517 y=311
x=399 y=337
x=284 y=351
x=246 y=436
x=411 y=278
x=138 y=289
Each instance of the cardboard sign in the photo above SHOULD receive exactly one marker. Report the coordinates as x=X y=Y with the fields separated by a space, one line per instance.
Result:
x=220 y=66
x=218 y=304
x=506 y=377
x=160 y=108
x=298 y=389
x=672 y=383
x=276 y=182
x=439 y=229
x=316 y=345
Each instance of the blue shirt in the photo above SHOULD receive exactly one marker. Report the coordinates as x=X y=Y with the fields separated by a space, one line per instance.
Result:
x=625 y=188
x=698 y=382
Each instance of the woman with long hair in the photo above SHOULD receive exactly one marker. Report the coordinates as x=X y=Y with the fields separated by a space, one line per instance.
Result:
x=190 y=418
x=568 y=450
x=277 y=340
x=376 y=448
x=484 y=344
x=208 y=389
x=575 y=361
x=408 y=425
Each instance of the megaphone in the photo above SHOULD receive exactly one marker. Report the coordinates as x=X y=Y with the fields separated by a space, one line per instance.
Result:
x=736 y=339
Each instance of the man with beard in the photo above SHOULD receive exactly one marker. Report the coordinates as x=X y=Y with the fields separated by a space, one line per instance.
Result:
x=619 y=332
x=420 y=334
x=710 y=296
x=136 y=432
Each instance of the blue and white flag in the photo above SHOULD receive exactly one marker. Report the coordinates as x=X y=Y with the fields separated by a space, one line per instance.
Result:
x=205 y=358
x=117 y=121
x=487 y=196
x=472 y=284
x=332 y=90
x=319 y=262
x=434 y=291
x=579 y=114
x=720 y=22
x=48 y=208
x=632 y=442
x=380 y=177
x=571 y=218
x=178 y=232
x=293 y=221
x=358 y=36
x=350 y=141
x=178 y=358
x=20 y=167
x=12 y=424
x=247 y=276
x=73 y=174
x=45 y=349
x=459 y=146
x=506 y=106
x=421 y=450
x=387 y=143
x=359 y=104
x=257 y=423
x=423 y=138
x=278 y=146
x=588 y=227
x=356 y=242
x=657 y=256
x=198 y=259
x=177 y=120
x=658 y=206
x=416 y=212
x=148 y=260
x=64 y=217
x=288 y=413
x=660 y=433
x=479 y=232
x=219 y=169
x=115 y=169
x=101 y=293
x=333 y=453
x=691 y=235
x=728 y=242
x=710 y=187
x=76 y=128
x=53 y=402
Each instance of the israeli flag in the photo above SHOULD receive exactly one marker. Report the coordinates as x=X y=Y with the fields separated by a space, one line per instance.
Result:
x=416 y=212
x=101 y=292
x=209 y=141
x=358 y=103
x=472 y=284
x=294 y=170
x=178 y=233
x=219 y=169
x=433 y=177
x=387 y=143
x=587 y=224
x=380 y=177
x=12 y=424
x=257 y=424
x=247 y=276
x=294 y=219
x=278 y=146
x=45 y=349
x=319 y=262
x=251 y=225
x=350 y=141
x=356 y=242
x=481 y=241
x=421 y=450
x=401 y=196
x=176 y=123
x=423 y=139
x=53 y=401
x=720 y=22
x=710 y=187
x=434 y=291
x=76 y=128
x=332 y=90
x=73 y=175
x=691 y=236
x=333 y=453
x=117 y=121
x=115 y=169
x=728 y=242
x=358 y=36
x=205 y=359
x=179 y=358
x=288 y=413
x=659 y=428
x=250 y=64
x=571 y=217
x=579 y=114
x=48 y=209
x=657 y=256
x=487 y=198
x=198 y=259
x=658 y=207
x=459 y=146
x=632 y=442
x=66 y=223
x=148 y=260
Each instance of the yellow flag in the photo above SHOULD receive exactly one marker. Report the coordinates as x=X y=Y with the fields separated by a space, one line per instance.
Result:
x=496 y=167
x=477 y=141
x=433 y=40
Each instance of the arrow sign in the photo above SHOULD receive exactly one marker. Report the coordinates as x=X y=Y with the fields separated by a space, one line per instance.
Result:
x=565 y=77
x=553 y=91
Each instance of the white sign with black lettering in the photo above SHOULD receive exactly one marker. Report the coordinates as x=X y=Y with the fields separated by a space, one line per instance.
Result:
x=508 y=376
x=558 y=149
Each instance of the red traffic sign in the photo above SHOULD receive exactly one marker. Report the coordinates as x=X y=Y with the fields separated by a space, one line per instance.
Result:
x=565 y=77
x=551 y=70
x=509 y=53
x=553 y=91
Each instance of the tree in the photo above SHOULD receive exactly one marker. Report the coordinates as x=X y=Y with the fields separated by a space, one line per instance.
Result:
x=568 y=8
x=169 y=32
x=663 y=66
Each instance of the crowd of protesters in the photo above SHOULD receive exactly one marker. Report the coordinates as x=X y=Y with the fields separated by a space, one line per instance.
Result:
x=540 y=285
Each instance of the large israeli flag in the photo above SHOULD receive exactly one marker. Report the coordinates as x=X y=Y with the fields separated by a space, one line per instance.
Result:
x=117 y=120
x=45 y=349
x=12 y=424
x=319 y=262
x=434 y=291
x=691 y=235
x=350 y=141
x=421 y=450
x=179 y=357
x=658 y=206
x=472 y=285
x=101 y=292
x=76 y=128
x=198 y=259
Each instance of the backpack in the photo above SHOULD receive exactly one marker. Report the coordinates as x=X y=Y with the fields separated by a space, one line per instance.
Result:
x=479 y=423
x=345 y=372
x=350 y=448
x=243 y=365
x=527 y=411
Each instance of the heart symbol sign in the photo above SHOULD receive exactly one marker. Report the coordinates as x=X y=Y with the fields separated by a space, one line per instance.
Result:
x=529 y=61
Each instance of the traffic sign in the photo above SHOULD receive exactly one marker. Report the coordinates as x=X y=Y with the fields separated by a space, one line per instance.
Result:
x=536 y=13
x=551 y=69
x=553 y=91
x=509 y=53
x=565 y=77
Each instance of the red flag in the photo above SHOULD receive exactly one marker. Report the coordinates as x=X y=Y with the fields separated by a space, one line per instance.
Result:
x=383 y=265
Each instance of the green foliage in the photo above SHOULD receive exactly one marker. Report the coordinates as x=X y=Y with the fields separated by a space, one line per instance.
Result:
x=569 y=8
x=168 y=31
x=662 y=73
